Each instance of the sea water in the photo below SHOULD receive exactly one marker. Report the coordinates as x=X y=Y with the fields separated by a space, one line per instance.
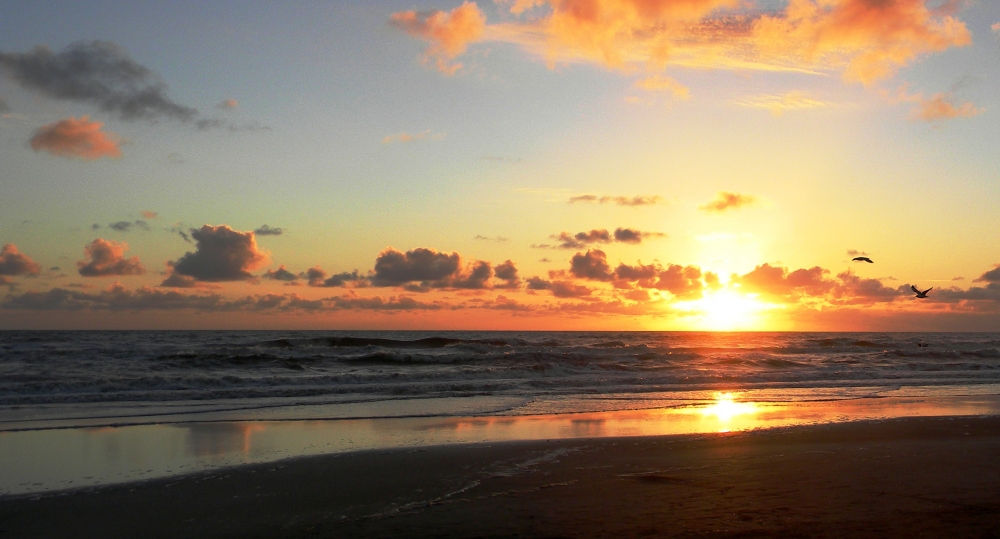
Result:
x=94 y=407
x=75 y=378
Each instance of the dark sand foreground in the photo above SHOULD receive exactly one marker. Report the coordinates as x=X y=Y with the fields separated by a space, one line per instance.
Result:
x=925 y=477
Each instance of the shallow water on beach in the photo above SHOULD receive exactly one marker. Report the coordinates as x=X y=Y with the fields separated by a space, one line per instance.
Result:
x=43 y=460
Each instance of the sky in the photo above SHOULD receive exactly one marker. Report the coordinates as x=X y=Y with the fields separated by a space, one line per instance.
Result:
x=501 y=164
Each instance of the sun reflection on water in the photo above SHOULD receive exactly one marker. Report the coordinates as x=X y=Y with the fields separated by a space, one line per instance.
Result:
x=726 y=408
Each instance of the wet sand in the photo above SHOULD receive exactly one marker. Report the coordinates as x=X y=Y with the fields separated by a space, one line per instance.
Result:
x=910 y=477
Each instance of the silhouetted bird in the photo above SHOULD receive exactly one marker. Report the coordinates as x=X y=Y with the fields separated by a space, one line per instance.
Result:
x=919 y=293
x=862 y=259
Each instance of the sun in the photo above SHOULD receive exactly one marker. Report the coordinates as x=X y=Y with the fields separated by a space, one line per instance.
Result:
x=727 y=310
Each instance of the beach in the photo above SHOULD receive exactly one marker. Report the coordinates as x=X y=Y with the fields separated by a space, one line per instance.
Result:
x=906 y=477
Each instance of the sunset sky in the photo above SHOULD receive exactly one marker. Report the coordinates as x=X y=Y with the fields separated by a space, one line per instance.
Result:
x=528 y=164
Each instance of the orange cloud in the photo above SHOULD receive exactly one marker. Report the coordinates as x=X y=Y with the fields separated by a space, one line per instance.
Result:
x=74 y=137
x=449 y=33
x=937 y=107
x=107 y=258
x=612 y=31
x=873 y=38
x=777 y=281
x=725 y=200
x=865 y=39
x=149 y=214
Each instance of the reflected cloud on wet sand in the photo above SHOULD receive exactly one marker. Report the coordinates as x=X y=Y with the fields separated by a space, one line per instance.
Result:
x=216 y=439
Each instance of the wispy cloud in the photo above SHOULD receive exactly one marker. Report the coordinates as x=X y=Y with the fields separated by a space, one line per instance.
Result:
x=940 y=107
x=265 y=230
x=498 y=239
x=125 y=226
x=873 y=39
x=935 y=108
x=639 y=200
x=779 y=104
x=659 y=83
x=863 y=39
x=411 y=137
x=581 y=240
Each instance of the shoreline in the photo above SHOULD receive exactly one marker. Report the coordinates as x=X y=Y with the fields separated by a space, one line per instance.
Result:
x=935 y=476
x=50 y=460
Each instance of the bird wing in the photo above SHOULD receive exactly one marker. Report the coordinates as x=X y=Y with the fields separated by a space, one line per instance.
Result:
x=870 y=261
x=928 y=290
x=914 y=288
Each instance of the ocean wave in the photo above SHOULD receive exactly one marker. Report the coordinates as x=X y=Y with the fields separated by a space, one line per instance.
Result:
x=361 y=342
x=41 y=367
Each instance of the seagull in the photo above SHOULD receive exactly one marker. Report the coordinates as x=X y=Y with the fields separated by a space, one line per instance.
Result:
x=919 y=293
x=862 y=259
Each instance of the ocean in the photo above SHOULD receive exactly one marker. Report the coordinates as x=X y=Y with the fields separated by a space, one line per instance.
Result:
x=91 y=378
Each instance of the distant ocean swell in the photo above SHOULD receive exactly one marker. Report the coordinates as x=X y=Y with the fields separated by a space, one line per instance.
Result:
x=92 y=367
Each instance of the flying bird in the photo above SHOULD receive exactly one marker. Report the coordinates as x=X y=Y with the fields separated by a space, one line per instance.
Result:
x=862 y=259
x=919 y=293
